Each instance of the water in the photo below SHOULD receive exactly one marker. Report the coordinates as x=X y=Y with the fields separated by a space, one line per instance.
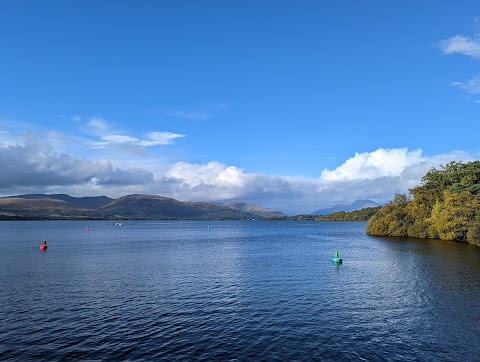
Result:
x=243 y=291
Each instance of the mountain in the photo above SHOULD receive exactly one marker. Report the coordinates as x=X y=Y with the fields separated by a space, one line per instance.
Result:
x=357 y=205
x=60 y=206
x=159 y=207
x=86 y=202
x=43 y=208
x=253 y=209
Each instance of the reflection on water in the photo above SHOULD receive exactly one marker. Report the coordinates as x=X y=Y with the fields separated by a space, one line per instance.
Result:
x=337 y=266
x=247 y=290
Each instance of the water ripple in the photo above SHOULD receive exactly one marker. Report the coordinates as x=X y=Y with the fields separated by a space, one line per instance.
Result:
x=243 y=292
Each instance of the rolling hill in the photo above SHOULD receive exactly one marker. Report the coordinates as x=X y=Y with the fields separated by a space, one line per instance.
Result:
x=158 y=207
x=61 y=206
x=85 y=202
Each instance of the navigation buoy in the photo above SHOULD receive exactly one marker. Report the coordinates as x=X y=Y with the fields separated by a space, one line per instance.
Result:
x=86 y=230
x=209 y=229
x=43 y=245
x=336 y=258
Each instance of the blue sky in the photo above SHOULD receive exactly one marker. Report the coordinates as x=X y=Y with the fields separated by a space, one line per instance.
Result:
x=293 y=105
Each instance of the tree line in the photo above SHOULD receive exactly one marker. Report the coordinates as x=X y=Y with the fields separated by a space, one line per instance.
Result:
x=356 y=215
x=444 y=206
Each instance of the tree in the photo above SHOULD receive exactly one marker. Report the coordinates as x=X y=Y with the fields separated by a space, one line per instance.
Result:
x=445 y=205
x=473 y=234
x=451 y=218
x=390 y=219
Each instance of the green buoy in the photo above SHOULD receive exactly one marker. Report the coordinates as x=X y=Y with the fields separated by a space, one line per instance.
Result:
x=336 y=258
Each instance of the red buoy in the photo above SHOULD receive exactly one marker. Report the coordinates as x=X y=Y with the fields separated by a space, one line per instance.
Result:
x=43 y=246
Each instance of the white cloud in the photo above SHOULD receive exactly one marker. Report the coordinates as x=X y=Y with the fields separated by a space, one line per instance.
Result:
x=212 y=173
x=119 y=139
x=471 y=86
x=371 y=165
x=98 y=125
x=462 y=45
x=211 y=181
x=160 y=138
x=470 y=47
x=151 y=139
x=104 y=134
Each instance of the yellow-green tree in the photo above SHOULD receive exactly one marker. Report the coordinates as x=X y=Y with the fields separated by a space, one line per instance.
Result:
x=473 y=234
x=391 y=219
x=451 y=218
x=445 y=205
x=418 y=211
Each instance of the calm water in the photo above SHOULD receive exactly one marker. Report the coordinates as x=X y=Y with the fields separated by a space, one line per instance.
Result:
x=245 y=290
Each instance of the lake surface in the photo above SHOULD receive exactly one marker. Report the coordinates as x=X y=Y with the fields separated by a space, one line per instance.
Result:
x=234 y=290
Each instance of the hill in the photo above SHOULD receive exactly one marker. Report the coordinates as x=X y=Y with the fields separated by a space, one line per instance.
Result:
x=253 y=209
x=60 y=206
x=158 y=207
x=85 y=202
x=357 y=205
x=43 y=208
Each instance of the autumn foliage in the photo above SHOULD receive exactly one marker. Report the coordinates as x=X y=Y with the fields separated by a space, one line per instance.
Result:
x=445 y=206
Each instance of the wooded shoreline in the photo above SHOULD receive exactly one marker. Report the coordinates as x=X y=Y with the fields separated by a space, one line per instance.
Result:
x=446 y=206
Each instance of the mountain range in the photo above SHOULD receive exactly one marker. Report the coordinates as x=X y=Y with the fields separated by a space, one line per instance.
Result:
x=61 y=206
x=357 y=205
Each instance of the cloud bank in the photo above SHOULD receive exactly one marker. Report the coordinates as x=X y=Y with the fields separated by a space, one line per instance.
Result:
x=33 y=167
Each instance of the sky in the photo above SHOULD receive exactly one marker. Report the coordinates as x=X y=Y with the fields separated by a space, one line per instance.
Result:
x=291 y=105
